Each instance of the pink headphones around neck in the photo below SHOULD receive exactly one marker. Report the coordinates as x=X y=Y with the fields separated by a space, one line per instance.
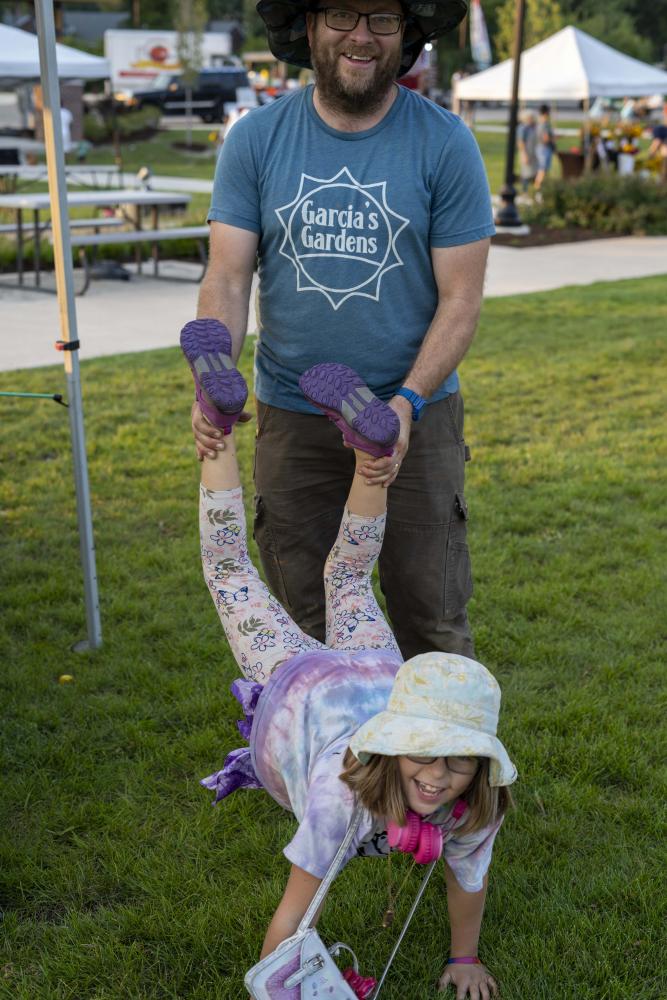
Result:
x=418 y=837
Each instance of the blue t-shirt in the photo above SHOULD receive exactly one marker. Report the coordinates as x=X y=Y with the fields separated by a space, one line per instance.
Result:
x=346 y=222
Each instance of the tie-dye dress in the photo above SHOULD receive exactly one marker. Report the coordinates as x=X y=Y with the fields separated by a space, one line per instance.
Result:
x=299 y=726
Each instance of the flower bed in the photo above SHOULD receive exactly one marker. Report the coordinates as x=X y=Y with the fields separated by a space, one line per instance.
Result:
x=603 y=204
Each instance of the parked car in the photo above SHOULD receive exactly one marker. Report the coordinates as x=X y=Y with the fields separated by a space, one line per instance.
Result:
x=213 y=89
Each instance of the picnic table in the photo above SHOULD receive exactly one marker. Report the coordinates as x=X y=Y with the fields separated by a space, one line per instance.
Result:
x=77 y=173
x=20 y=144
x=117 y=198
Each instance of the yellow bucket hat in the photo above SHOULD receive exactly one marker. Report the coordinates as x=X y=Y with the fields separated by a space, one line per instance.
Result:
x=441 y=705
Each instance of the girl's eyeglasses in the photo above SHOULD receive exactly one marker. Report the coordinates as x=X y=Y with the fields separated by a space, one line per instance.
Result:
x=341 y=19
x=458 y=765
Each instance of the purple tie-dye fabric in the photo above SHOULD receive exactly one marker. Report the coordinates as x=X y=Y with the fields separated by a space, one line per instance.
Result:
x=304 y=720
x=237 y=772
x=247 y=694
x=299 y=726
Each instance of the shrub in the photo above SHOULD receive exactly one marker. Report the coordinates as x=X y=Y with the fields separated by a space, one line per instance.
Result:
x=141 y=124
x=95 y=128
x=605 y=203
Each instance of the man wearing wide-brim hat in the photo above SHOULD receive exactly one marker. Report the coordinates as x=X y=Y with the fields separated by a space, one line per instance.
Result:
x=368 y=209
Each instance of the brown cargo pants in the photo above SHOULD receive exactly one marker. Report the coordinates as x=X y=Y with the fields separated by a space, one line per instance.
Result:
x=302 y=476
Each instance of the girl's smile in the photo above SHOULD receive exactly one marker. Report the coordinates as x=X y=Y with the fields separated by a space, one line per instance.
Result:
x=429 y=783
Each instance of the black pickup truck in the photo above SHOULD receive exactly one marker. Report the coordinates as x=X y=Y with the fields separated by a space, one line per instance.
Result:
x=212 y=90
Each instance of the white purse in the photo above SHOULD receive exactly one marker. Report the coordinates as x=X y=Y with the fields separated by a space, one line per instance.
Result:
x=303 y=968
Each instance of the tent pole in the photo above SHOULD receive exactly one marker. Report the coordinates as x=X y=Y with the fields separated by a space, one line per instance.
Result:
x=507 y=214
x=62 y=253
x=588 y=147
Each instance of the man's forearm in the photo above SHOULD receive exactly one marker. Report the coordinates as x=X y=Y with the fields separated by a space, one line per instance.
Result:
x=446 y=342
x=226 y=300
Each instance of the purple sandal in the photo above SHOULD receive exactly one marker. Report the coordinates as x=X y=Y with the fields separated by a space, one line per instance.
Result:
x=366 y=422
x=220 y=388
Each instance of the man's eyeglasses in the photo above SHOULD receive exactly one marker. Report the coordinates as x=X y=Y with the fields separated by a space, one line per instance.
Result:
x=341 y=19
x=458 y=765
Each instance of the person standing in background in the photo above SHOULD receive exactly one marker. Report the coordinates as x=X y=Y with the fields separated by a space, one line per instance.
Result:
x=527 y=143
x=546 y=144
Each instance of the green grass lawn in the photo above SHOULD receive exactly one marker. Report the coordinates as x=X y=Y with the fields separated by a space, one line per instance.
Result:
x=160 y=155
x=117 y=877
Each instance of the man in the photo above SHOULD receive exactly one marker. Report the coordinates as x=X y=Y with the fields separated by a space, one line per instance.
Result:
x=369 y=210
x=658 y=147
x=66 y=119
x=527 y=144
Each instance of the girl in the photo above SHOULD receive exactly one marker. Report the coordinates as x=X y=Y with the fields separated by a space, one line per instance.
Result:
x=331 y=725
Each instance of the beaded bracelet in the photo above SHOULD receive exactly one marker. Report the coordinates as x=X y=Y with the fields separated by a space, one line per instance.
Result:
x=464 y=960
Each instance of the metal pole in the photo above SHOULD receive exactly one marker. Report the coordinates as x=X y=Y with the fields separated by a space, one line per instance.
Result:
x=508 y=215
x=587 y=139
x=62 y=253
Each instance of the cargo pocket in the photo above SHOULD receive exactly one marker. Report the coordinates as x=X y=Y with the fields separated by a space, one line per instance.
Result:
x=264 y=537
x=292 y=556
x=458 y=572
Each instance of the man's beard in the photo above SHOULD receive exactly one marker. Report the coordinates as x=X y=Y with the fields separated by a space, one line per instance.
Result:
x=349 y=97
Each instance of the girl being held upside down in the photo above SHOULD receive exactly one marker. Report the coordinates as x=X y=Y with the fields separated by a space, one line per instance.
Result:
x=346 y=722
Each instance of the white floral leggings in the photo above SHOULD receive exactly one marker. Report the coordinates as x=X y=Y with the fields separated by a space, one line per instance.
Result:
x=260 y=632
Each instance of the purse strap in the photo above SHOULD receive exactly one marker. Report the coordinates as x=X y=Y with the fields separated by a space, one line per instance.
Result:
x=334 y=868
x=459 y=809
x=420 y=893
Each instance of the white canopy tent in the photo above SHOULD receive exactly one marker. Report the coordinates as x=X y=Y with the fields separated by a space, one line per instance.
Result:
x=19 y=59
x=568 y=66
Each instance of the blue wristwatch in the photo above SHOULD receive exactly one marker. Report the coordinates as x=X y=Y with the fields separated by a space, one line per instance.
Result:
x=418 y=402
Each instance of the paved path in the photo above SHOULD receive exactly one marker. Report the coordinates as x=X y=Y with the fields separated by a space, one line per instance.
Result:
x=514 y=271
x=117 y=317
x=158 y=182
x=161 y=182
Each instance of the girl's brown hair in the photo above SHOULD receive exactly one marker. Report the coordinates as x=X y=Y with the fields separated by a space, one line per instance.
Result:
x=377 y=785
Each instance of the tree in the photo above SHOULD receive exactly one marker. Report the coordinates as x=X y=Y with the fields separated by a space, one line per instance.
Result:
x=650 y=22
x=190 y=19
x=633 y=26
x=543 y=18
x=253 y=26
x=615 y=28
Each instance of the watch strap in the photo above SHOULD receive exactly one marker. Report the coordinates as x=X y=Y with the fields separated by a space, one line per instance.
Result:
x=417 y=402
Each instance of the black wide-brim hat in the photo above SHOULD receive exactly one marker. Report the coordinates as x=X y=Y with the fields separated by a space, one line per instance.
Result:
x=285 y=22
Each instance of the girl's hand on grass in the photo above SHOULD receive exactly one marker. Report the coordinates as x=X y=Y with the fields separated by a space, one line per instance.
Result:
x=208 y=439
x=474 y=981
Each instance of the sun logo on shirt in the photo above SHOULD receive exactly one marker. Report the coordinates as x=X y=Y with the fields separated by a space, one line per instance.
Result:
x=340 y=236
